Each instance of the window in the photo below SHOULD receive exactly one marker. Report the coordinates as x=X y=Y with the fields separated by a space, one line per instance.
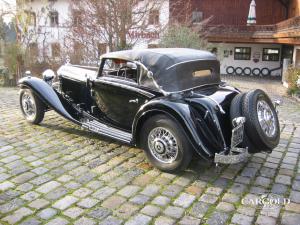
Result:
x=78 y=47
x=76 y=18
x=55 y=48
x=101 y=49
x=153 y=17
x=31 y=18
x=33 y=49
x=271 y=54
x=78 y=52
x=242 y=53
x=121 y=69
x=53 y=18
x=197 y=16
x=202 y=73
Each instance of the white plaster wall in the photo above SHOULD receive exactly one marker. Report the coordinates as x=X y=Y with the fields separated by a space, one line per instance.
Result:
x=61 y=6
x=57 y=34
x=163 y=23
x=255 y=48
x=54 y=34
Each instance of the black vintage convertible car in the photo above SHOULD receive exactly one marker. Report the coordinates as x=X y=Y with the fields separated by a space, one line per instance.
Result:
x=170 y=102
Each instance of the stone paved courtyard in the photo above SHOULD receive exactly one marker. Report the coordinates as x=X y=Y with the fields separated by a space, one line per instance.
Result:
x=58 y=174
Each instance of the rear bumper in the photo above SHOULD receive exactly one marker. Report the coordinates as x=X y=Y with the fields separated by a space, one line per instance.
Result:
x=236 y=155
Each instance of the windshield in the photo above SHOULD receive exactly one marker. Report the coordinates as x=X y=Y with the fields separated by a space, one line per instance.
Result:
x=187 y=75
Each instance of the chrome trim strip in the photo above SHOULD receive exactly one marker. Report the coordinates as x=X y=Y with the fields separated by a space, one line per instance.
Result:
x=176 y=92
x=194 y=60
x=142 y=92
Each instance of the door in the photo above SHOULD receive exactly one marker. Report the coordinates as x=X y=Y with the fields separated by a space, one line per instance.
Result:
x=118 y=94
x=118 y=101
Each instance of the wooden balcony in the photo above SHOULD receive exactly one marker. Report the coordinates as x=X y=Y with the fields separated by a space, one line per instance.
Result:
x=285 y=32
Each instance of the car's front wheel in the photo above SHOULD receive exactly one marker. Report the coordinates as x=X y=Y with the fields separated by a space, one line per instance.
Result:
x=33 y=109
x=166 y=144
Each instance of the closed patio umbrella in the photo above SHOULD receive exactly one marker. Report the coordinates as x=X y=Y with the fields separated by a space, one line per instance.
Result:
x=252 y=14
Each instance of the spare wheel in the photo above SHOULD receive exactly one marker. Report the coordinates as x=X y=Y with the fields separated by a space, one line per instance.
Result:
x=262 y=125
x=236 y=111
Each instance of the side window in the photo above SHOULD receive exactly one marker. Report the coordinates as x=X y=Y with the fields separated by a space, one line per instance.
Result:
x=120 y=69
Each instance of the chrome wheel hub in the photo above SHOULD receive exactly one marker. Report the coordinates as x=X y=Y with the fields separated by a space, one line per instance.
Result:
x=163 y=145
x=28 y=105
x=266 y=118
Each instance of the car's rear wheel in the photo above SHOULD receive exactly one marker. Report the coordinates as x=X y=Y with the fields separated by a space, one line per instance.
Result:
x=33 y=109
x=165 y=144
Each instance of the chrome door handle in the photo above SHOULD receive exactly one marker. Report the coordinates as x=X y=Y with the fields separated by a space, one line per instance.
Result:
x=134 y=100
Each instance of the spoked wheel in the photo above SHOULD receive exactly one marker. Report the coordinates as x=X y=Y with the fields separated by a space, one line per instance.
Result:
x=266 y=118
x=262 y=132
x=165 y=144
x=33 y=109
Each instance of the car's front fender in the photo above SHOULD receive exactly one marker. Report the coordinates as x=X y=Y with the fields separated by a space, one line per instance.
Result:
x=47 y=94
x=179 y=111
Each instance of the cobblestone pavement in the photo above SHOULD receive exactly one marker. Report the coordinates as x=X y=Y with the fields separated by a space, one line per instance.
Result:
x=58 y=174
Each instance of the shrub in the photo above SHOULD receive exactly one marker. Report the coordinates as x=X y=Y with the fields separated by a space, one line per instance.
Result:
x=293 y=75
x=181 y=36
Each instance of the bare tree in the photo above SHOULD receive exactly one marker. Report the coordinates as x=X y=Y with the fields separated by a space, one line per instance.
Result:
x=33 y=35
x=119 y=24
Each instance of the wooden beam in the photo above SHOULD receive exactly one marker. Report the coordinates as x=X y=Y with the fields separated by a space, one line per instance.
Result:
x=290 y=41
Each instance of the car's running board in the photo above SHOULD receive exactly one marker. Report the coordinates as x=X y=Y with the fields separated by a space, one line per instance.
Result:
x=108 y=131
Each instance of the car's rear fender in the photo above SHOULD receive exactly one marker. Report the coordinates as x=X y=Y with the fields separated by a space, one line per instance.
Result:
x=49 y=96
x=179 y=111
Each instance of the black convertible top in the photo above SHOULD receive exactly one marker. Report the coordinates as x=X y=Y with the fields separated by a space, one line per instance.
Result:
x=161 y=57
x=172 y=67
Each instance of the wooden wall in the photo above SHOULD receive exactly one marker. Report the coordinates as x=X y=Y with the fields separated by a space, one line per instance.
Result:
x=230 y=12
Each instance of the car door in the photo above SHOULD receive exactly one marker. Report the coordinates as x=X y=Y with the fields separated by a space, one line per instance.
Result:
x=119 y=99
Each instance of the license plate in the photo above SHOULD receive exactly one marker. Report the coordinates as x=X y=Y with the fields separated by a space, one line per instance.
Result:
x=237 y=135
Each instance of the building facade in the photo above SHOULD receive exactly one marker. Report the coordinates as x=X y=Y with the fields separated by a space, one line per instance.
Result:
x=262 y=48
x=49 y=22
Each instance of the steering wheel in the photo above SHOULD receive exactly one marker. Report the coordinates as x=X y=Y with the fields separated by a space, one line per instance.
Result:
x=121 y=68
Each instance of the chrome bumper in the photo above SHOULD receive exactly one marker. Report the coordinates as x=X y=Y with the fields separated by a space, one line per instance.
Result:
x=235 y=155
